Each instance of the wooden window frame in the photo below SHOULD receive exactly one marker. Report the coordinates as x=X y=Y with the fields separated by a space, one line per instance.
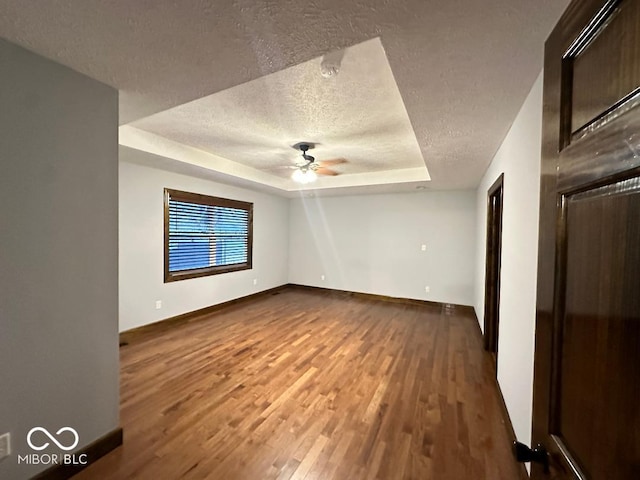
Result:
x=210 y=201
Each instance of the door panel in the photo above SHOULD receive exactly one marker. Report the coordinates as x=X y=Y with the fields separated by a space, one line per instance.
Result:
x=603 y=71
x=597 y=388
x=587 y=358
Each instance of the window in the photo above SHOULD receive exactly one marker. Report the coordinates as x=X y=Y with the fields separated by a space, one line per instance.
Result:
x=205 y=235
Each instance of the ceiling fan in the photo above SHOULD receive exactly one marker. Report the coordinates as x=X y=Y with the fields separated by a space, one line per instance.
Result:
x=308 y=171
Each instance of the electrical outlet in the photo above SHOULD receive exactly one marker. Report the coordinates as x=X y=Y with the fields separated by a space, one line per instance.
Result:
x=255 y=281
x=423 y=248
x=427 y=289
x=321 y=277
x=5 y=445
x=158 y=304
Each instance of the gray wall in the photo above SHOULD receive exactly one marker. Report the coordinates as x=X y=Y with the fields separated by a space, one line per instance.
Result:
x=372 y=244
x=519 y=159
x=58 y=253
x=142 y=245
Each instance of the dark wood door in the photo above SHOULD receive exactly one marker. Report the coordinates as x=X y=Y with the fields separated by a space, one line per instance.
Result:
x=587 y=357
x=492 y=268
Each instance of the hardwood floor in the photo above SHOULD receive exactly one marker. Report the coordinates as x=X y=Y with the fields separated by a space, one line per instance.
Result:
x=311 y=385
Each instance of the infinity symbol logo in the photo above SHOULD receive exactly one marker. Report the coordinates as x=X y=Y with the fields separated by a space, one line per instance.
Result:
x=62 y=447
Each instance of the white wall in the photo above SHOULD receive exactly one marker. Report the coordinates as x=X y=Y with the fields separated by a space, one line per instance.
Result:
x=519 y=159
x=58 y=254
x=372 y=244
x=142 y=249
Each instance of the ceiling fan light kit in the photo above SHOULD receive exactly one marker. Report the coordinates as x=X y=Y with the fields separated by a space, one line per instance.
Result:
x=304 y=173
x=304 y=176
x=308 y=172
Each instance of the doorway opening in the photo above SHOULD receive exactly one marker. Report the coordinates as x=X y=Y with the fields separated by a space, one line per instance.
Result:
x=492 y=268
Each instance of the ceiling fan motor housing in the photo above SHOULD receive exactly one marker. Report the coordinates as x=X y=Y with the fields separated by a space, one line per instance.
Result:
x=304 y=147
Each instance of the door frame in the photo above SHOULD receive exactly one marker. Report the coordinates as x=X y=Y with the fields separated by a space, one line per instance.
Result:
x=493 y=263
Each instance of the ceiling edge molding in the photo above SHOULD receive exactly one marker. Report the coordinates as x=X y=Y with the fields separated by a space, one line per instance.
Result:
x=148 y=142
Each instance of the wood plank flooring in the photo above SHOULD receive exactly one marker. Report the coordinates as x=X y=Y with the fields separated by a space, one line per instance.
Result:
x=315 y=386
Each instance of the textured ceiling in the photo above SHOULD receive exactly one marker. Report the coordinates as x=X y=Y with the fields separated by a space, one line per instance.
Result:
x=356 y=115
x=462 y=67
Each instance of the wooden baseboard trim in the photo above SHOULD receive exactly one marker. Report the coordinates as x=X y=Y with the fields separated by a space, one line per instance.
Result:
x=385 y=298
x=94 y=451
x=137 y=333
x=524 y=475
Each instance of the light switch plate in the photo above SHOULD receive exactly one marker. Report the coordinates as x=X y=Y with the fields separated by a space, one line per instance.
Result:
x=5 y=445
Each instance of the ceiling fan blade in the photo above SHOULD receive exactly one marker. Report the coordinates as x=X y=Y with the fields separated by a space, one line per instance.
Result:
x=333 y=161
x=326 y=171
